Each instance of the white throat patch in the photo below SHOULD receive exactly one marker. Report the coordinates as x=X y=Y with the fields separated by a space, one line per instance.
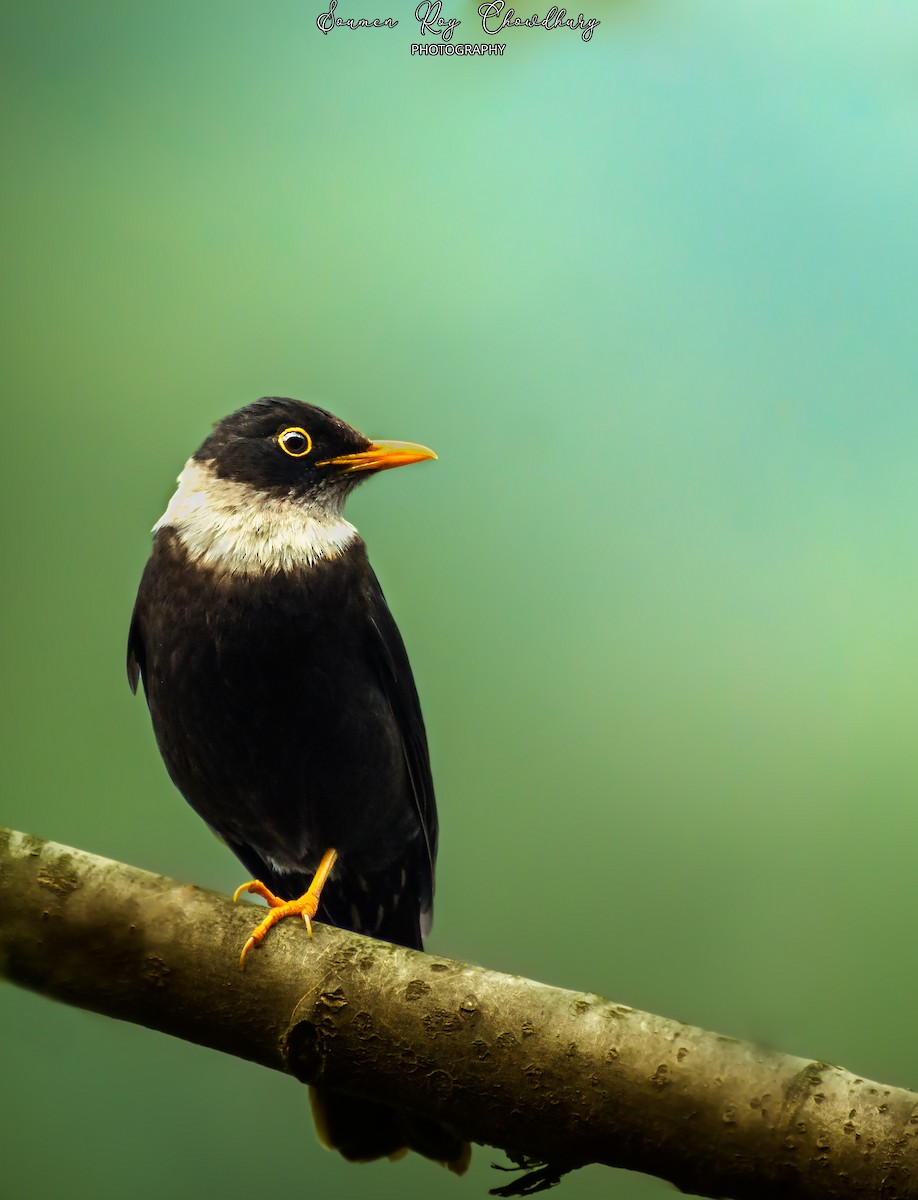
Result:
x=234 y=527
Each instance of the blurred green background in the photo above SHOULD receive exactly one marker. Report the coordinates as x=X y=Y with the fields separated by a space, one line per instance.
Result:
x=653 y=300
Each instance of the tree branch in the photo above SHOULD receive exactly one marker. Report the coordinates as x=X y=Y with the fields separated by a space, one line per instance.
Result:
x=546 y=1074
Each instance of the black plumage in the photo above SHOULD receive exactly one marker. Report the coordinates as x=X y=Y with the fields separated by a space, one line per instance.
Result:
x=282 y=697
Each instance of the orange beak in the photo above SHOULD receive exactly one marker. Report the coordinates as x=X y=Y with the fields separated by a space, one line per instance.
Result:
x=380 y=456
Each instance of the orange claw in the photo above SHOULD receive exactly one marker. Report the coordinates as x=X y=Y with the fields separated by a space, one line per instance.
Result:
x=259 y=889
x=306 y=906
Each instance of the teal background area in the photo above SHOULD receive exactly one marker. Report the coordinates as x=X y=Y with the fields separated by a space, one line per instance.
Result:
x=653 y=301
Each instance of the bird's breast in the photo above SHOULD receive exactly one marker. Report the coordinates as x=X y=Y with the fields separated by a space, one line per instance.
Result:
x=266 y=705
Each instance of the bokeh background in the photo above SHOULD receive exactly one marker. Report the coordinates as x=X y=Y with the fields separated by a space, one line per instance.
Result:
x=653 y=299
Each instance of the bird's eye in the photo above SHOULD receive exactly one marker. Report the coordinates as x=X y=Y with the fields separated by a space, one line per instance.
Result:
x=296 y=442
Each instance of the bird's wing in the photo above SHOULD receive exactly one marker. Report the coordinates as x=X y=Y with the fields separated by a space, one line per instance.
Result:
x=136 y=652
x=390 y=658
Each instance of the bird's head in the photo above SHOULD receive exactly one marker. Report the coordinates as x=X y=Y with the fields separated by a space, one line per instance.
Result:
x=299 y=451
x=266 y=490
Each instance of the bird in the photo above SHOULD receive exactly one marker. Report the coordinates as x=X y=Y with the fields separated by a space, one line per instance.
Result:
x=283 y=702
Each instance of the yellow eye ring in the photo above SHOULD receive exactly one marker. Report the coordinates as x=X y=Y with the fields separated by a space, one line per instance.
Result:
x=295 y=441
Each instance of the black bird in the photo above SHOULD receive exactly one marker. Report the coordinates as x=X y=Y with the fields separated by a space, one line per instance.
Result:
x=283 y=702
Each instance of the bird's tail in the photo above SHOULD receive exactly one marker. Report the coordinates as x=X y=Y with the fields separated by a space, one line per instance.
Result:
x=362 y=1130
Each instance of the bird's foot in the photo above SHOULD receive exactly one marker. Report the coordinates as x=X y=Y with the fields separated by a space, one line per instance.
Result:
x=259 y=889
x=306 y=906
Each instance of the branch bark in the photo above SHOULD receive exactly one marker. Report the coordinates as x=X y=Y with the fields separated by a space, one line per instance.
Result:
x=546 y=1074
